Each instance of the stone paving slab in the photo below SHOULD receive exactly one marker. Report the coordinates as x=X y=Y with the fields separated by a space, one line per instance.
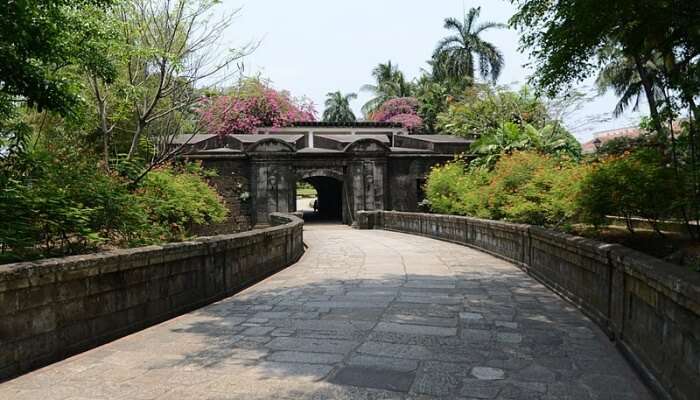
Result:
x=363 y=315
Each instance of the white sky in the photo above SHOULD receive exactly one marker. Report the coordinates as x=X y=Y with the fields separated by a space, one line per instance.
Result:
x=312 y=47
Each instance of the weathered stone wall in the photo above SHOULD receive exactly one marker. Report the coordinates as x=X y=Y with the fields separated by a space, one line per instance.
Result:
x=231 y=182
x=54 y=308
x=649 y=307
x=405 y=175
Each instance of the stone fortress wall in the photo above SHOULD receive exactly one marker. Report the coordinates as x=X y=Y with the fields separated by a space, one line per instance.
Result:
x=649 y=307
x=51 y=309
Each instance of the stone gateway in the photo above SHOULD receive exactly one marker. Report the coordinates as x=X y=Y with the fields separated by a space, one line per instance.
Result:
x=353 y=167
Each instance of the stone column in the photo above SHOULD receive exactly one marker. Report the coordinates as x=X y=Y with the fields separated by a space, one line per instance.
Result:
x=272 y=188
x=367 y=184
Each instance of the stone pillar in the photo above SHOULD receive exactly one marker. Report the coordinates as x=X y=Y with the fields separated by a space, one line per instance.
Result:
x=272 y=188
x=367 y=180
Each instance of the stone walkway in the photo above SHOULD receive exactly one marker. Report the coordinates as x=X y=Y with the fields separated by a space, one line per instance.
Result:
x=364 y=315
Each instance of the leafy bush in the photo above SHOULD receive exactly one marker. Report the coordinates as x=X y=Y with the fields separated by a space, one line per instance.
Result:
x=61 y=204
x=637 y=184
x=537 y=189
x=486 y=109
x=176 y=198
x=450 y=189
x=525 y=187
x=60 y=201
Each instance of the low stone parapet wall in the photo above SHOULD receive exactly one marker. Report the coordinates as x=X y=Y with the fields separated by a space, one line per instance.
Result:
x=53 y=308
x=649 y=307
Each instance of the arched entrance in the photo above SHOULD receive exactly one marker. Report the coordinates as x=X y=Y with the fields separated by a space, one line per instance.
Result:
x=329 y=204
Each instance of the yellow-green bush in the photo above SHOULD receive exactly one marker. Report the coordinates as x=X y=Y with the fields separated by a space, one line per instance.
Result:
x=525 y=187
x=174 y=199
x=536 y=189
x=641 y=184
x=451 y=189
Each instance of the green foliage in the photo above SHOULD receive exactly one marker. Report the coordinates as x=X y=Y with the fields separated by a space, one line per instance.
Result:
x=524 y=187
x=640 y=46
x=638 y=184
x=338 y=107
x=621 y=75
x=621 y=145
x=44 y=45
x=451 y=189
x=433 y=98
x=305 y=190
x=536 y=189
x=457 y=56
x=510 y=137
x=176 y=198
x=485 y=109
x=566 y=37
x=58 y=201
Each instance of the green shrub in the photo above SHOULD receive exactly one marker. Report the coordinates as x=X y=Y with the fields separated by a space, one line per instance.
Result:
x=637 y=184
x=62 y=202
x=175 y=199
x=532 y=188
x=450 y=189
x=524 y=187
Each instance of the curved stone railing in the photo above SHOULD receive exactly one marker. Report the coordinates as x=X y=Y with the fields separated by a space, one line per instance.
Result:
x=649 y=307
x=54 y=308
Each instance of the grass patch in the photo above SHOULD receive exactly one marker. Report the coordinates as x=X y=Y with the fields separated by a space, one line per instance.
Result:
x=306 y=193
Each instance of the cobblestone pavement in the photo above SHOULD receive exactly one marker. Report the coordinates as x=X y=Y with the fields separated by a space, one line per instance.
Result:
x=364 y=315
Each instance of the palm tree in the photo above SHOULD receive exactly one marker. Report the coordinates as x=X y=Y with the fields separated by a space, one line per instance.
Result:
x=338 y=107
x=390 y=84
x=456 y=56
x=621 y=74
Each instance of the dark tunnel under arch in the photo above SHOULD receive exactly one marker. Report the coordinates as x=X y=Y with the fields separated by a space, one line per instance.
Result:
x=330 y=198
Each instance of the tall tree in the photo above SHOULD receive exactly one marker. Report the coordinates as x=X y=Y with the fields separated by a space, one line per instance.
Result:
x=39 y=41
x=43 y=46
x=338 y=107
x=169 y=53
x=457 y=56
x=566 y=39
x=390 y=84
x=566 y=42
x=621 y=75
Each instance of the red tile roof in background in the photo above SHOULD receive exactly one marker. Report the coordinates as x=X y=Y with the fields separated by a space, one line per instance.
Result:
x=605 y=136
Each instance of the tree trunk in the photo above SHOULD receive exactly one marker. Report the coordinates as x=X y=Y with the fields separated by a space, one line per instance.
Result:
x=651 y=99
x=105 y=134
x=692 y=120
x=135 y=140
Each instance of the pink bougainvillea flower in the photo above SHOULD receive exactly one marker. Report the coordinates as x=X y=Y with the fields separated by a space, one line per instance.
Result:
x=258 y=106
x=403 y=110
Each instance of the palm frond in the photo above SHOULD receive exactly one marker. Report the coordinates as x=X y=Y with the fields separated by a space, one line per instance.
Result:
x=369 y=88
x=470 y=18
x=447 y=43
x=490 y=60
x=488 y=25
x=454 y=24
